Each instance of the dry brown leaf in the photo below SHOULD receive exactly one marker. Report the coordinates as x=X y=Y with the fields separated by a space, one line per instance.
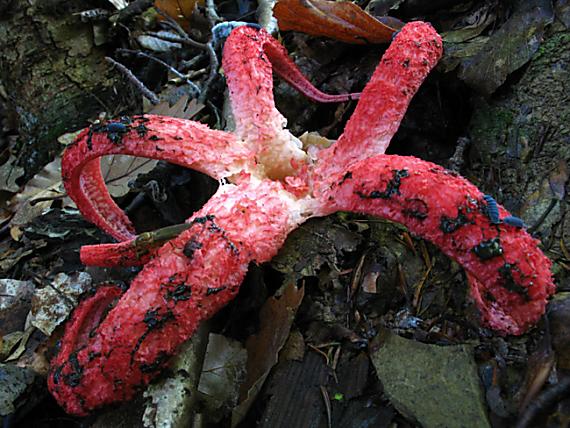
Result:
x=342 y=21
x=119 y=4
x=180 y=10
x=52 y=304
x=276 y=318
x=8 y=342
x=222 y=373
x=181 y=108
x=21 y=348
x=119 y=170
x=38 y=194
x=9 y=172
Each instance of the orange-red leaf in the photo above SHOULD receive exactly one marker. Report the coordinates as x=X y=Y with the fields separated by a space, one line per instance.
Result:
x=343 y=21
x=180 y=10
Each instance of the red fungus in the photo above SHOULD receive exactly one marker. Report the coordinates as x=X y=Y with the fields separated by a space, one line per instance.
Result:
x=275 y=187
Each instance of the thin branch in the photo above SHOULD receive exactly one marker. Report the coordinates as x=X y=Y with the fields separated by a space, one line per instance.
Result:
x=151 y=96
x=194 y=88
x=214 y=64
x=545 y=214
x=543 y=402
x=211 y=13
x=178 y=39
x=171 y=22
x=265 y=15
x=134 y=8
x=458 y=159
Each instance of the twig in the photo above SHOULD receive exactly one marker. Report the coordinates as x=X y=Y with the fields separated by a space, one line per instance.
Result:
x=151 y=96
x=458 y=159
x=168 y=21
x=213 y=72
x=211 y=13
x=327 y=402
x=265 y=15
x=189 y=64
x=544 y=401
x=184 y=40
x=194 y=88
x=133 y=9
x=541 y=219
x=47 y=199
x=213 y=18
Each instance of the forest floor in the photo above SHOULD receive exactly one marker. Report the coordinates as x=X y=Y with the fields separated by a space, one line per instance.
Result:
x=356 y=322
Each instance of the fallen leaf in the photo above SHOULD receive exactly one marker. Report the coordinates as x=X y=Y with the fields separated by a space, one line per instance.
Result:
x=15 y=303
x=9 y=257
x=68 y=138
x=294 y=347
x=119 y=170
x=343 y=21
x=293 y=396
x=176 y=104
x=8 y=342
x=170 y=401
x=316 y=243
x=458 y=53
x=466 y=27
x=222 y=373
x=276 y=318
x=510 y=47
x=9 y=172
x=38 y=195
x=435 y=385
x=21 y=348
x=52 y=304
x=15 y=381
x=539 y=366
x=179 y=10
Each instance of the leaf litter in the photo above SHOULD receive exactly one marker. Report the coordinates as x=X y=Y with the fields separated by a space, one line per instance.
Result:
x=473 y=45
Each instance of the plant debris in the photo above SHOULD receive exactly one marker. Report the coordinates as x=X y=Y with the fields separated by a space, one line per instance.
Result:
x=349 y=300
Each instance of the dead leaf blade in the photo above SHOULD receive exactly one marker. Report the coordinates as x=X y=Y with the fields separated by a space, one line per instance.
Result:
x=342 y=21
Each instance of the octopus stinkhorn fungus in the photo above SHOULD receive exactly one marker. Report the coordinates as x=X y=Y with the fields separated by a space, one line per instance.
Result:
x=117 y=341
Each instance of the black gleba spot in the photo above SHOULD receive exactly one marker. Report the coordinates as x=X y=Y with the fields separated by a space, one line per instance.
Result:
x=506 y=272
x=215 y=290
x=181 y=292
x=190 y=248
x=73 y=378
x=488 y=249
x=392 y=187
x=450 y=224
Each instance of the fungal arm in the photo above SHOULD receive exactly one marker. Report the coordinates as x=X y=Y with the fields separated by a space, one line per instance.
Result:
x=190 y=279
x=510 y=277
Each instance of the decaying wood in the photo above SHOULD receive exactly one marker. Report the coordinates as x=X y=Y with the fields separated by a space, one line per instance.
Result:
x=54 y=75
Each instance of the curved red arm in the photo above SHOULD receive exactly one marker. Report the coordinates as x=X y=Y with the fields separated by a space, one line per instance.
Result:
x=191 y=278
x=511 y=278
x=190 y=144
x=404 y=66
